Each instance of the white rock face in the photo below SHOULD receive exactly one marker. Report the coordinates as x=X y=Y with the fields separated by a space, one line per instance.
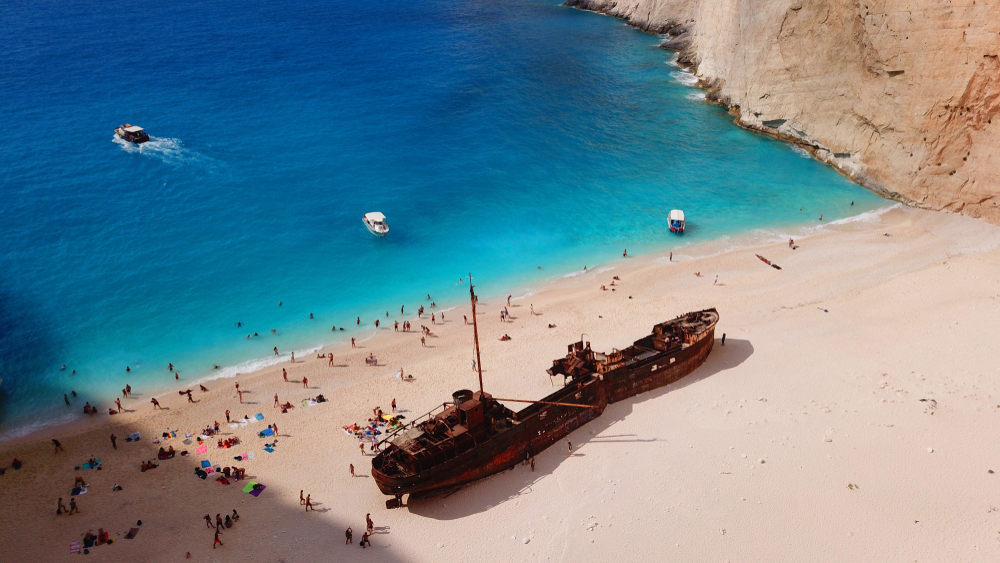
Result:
x=903 y=96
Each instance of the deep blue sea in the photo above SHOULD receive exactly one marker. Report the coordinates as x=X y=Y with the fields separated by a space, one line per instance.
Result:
x=495 y=136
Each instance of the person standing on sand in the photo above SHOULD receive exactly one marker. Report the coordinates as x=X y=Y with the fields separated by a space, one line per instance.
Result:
x=114 y=443
x=208 y=521
x=365 y=541
x=394 y=399
x=349 y=534
x=790 y=243
x=309 y=505
x=217 y=540
x=227 y=415
x=240 y=393
x=368 y=521
x=284 y=374
x=570 y=445
x=362 y=446
x=119 y=403
x=57 y=445
x=61 y=508
x=723 y=339
x=330 y=363
x=716 y=280
x=276 y=404
x=532 y=308
x=353 y=345
x=293 y=357
x=302 y=497
x=423 y=341
x=352 y=470
x=72 y=505
x=305 y=382
x=156 y=404
x=671 y=256
x=532 y=463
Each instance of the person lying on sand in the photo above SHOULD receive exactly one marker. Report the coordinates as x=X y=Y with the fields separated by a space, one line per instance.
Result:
x=505 y=338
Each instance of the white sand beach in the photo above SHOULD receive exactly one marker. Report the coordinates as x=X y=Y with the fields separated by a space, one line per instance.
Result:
x=851 y=416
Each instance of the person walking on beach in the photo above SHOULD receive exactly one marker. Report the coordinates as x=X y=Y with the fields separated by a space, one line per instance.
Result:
x=352 y=469
x=330 y=363
x=119 y=403
x=671 y=256
x=723 y=339
x=128 y=390
x=276 y=404
x=218 y=521
x=716 y=280
x=208 y=521
x=293 y=357
x=349 y=534
x=305 y=382
x=240 y=393
x=423 y=341
x=217 y=540
x=284 y=373
x=365 y=541
x=309 y=504
x=72 y=505
x=114 y=443
x=58 y=446
x=465 y=320
x=362 y=446
x=790 y=243
x=532 y=308
x=302 y=497
x=394 y=399
x=353 y=345
x=156 y=404
x=190 y=398
x=368 y=521
x=396 y=326
x=61 y=508
x=570 y=445
x=227 y=415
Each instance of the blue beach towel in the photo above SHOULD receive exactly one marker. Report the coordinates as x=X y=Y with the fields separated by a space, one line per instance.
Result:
x=205 y=463
x=267 y=432
x=260 y=416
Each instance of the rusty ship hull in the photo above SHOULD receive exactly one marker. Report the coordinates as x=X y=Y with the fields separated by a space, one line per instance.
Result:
x=468 y=451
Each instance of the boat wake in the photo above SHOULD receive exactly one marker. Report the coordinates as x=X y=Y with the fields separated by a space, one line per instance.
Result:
x=169 y=151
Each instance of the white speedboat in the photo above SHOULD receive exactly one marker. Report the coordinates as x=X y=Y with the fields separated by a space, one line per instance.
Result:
x=375 y=222
x=676 y=221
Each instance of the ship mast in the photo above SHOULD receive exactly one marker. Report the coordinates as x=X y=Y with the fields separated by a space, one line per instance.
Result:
x=475 y=332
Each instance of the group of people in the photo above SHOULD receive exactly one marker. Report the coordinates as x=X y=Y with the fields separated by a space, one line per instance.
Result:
x=369 y=530
x=219 y=525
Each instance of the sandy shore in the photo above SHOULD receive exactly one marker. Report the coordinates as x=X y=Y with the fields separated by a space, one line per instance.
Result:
x=850 y=416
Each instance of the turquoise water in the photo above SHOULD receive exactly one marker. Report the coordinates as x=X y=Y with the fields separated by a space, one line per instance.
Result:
x=496 y=137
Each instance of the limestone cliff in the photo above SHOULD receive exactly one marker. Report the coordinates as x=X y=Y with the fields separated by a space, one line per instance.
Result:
x=901 y=95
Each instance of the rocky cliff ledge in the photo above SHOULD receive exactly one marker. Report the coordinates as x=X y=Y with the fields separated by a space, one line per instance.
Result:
x=903 y=96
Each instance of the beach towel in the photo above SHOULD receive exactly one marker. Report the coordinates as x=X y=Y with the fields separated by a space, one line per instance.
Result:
x=243 y=423
x=201 y=450
x=78 y=491
x=88 y=466
x=267 y=432
x=135 y=437
x=189 y=435
x=252 y=455
x=186 y=442
x=257 y=492
x=249 y=486
x=131 y=533
x=209 y=471
x=205 y=463
x=234 y=425
x=74 y=547
x=260 y=416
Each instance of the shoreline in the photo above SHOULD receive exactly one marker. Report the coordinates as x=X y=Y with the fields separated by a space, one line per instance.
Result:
x=781 y=390
x=711 y=248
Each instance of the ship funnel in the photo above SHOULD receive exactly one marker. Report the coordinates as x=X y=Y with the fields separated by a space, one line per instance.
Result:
x=461 y=396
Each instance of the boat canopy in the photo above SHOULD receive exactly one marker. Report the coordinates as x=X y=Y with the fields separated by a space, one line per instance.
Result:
x=375 y=217
x=133 y=129
x=677 y=215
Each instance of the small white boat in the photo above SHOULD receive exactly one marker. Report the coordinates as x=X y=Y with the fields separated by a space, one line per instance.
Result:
x=375 y=222
x=676 y=221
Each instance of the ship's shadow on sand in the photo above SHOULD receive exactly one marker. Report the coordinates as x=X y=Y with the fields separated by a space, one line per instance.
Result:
x=509 y=485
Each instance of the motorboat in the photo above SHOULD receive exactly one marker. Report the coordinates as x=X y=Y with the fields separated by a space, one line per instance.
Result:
x=132 y=134
x=375 y=222
x=676 y=221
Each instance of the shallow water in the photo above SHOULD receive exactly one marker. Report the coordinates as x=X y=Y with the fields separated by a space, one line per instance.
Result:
x=496 y=137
